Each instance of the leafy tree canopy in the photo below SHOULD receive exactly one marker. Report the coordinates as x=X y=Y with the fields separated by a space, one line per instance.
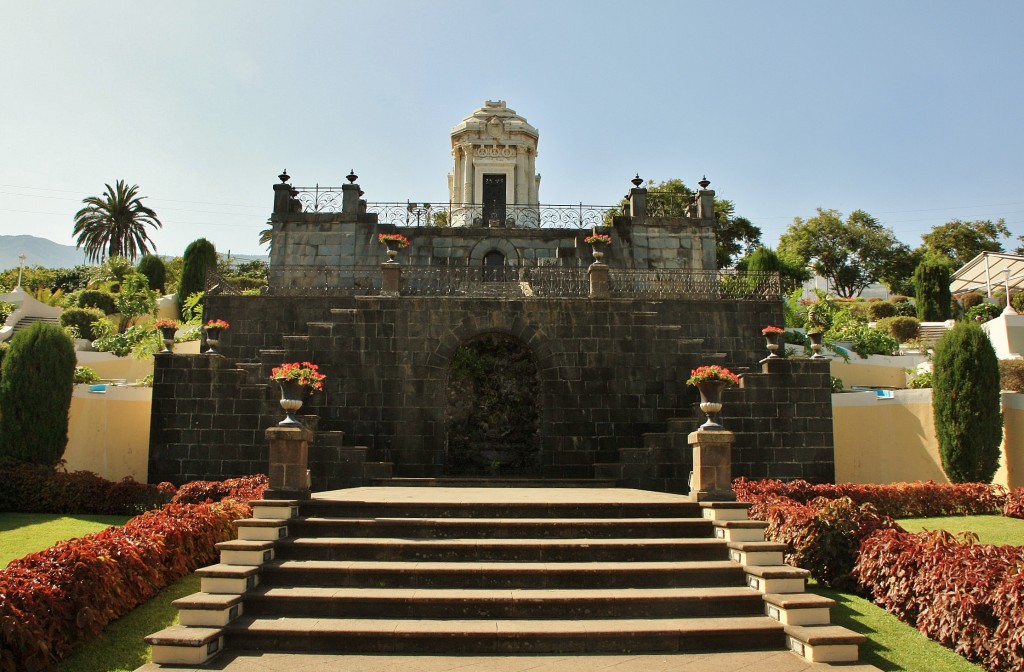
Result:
x=115 y=224
x=962 y=241
x=850 y=254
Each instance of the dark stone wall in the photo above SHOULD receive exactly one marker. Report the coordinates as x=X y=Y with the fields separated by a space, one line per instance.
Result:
x=611 y=370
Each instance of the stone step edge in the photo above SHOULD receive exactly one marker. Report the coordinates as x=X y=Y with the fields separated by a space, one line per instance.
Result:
x=181 y=645
x=418 y=566
x=824 y=643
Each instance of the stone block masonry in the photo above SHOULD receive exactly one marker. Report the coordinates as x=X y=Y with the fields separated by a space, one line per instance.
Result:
x=611 y=370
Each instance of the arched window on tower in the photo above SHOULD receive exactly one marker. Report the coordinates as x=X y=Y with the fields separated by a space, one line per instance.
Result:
x=494 y=267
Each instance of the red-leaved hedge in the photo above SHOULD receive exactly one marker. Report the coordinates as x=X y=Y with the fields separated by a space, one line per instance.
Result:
x=246 y=488
x=33 y=488
x=54 y=599
x=898 y=500
x=1014 y=507
x=967 y=596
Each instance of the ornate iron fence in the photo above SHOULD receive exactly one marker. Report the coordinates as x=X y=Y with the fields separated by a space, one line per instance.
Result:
x=526 y=282
x=319 y=199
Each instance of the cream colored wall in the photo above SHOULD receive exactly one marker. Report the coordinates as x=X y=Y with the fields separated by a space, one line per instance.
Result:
x=893 y=440
x=875 y=371
x=112 y=367
x=108 y=433
x=885 y=440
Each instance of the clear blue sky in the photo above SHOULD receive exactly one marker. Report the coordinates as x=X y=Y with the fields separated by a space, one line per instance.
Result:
x=911 y=110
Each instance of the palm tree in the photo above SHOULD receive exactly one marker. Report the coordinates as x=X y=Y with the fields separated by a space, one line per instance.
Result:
x=114 y=224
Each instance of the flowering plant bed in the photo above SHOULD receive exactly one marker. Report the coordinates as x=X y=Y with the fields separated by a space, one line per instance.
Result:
x=165 y=324
x=598 y=239
x=704 y=374
x=306 y=374
x=771 y=330
x=396 y=238
x=217 y=324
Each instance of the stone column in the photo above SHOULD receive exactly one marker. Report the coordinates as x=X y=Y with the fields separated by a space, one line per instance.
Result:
x=712 y=466
x=282 y=198
x=638 y=203
x=392 y=280
x=598 y=274
x=289 y=463
x=706 y=203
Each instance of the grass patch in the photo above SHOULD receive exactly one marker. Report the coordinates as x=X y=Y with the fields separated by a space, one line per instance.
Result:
x=24 y=533
x=997 y=530
x=892 y=644
x=121 y=648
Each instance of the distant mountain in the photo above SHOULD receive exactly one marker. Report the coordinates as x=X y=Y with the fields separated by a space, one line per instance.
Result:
x=38 y=252
x=48 y=254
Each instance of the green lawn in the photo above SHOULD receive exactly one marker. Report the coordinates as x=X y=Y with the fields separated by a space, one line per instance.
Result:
x=998 y=530
x=24 y=533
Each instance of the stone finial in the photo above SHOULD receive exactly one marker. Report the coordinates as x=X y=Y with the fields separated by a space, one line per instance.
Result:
x=352 y=177
x=284 y=176
x=637 y=181
x=704 y=182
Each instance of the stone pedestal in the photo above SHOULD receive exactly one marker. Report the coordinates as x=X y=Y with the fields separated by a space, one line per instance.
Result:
x=598 y=274
x=289 y=463
x=712 y=466
x=392 y=282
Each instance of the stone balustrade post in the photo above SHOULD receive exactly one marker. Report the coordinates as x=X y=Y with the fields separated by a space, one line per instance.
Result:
x=638 y=203
x=706 y=203
x=289 y=463
x=392 y=278
x=712 y=466
x=350 y=199
x=598 y=274
x=282 y=199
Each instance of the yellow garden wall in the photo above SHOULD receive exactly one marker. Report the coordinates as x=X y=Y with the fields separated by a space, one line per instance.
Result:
x=893 y=440
x=108 y=433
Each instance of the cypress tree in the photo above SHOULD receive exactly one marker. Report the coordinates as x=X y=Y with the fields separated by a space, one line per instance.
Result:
x=199 y=256
x=153 y=268
x=36 y=382
x=931 y=287
x=965 y=401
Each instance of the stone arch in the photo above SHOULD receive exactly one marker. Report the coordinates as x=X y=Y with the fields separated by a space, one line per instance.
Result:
x=480 y=250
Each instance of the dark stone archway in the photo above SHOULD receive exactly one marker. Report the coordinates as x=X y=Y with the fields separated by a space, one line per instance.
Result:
x=492 y=417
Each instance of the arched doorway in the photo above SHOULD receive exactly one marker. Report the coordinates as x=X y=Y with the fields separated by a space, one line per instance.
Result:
x=494 y=267
x=492 y=419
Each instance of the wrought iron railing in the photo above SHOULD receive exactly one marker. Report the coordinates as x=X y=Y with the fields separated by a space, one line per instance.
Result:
x=700 y=285
x=525 y=282
x=319 y=199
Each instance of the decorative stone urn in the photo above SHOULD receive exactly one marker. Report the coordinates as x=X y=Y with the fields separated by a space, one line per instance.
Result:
x=167 y=336
x=213 y=339
x=293 y=396
x=772 y=339
x=815 y=337
x=392 y=246
x=598 y=253
x=711 y=401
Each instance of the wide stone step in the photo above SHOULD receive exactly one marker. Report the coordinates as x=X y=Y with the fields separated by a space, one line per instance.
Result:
x=484 y=482
x=512 y=509
x=369 y=574
x=500 y=550
x=502 y=528
x=417 y=603
x=504 y=636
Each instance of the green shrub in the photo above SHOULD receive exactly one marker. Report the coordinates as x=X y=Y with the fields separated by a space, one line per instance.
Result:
x=85 y=374
x=153 y=268
x=920 y=381
x=859 y=309
x=1011 y=374
x=966 y=404
x=82 y=319
x=35 y=395
x=970 y=300
x=92 y=298
x=1017 y=302
x=931 y=286
x=986 y=311
x=902 y=329
x=864 y=340
x=122 y=344
x=199 y=256
x=878 y=310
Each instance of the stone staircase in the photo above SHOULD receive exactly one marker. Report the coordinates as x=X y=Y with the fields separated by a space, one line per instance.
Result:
x=500 y=571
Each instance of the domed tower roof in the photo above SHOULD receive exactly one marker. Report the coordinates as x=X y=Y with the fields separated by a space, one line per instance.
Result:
x=494 y=122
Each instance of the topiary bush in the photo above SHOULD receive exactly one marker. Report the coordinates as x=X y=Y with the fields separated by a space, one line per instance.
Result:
x=878 y=310
x=966 y=404
x=931 y=287
x=1017 y=302
x=82 y=319
x=902 y=329
x=970 y=300
x=199 y=256
x=92 y=298
x=35 y=395
x=153 y=268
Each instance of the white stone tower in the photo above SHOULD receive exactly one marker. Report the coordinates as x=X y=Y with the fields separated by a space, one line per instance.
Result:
x=494 y=183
